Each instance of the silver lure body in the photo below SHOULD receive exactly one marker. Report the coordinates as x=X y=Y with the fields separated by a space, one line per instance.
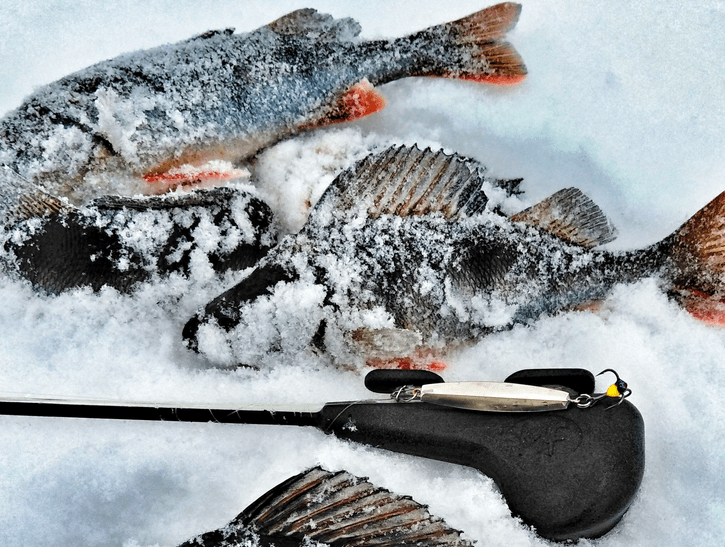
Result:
x=495 y=396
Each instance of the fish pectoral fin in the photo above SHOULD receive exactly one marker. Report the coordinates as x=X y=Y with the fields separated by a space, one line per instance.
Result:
x=359 y=101
x=406 y=181
x=572 y=216
x=319 y=26
x=37 y=204
x=336 y=509
x=33 y=200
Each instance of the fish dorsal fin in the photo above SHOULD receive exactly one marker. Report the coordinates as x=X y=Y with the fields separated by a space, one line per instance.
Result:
x=405 y=181
x=318 y=26
x=337 y=509
x=211 y=34
x=572 y=216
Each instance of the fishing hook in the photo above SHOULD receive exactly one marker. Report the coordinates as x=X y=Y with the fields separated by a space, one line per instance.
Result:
x=617 y=390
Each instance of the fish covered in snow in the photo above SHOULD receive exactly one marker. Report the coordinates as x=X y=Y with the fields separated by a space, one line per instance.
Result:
x=117 y=242
x=318 y=507
x=400 y=258
x=179 y=114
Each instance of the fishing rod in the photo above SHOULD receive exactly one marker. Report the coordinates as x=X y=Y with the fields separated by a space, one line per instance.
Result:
x=566 y=465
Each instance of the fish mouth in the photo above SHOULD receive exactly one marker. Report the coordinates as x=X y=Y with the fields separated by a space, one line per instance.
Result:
x=224 y=311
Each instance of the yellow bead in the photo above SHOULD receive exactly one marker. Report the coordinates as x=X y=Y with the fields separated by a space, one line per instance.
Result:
x=613 y=391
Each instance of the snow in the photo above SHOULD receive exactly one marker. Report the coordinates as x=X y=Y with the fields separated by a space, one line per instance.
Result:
x=624 y=101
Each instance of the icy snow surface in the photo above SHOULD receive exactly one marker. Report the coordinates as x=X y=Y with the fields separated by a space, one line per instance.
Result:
x=623 y=100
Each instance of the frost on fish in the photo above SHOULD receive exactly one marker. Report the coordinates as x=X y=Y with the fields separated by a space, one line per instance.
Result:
x=318 y=507
x=401 y=258
x=225 y=96
x=402 y=248
x=117 y=242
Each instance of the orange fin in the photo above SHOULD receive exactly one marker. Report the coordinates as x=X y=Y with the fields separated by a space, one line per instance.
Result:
x=359 y=101
x=396 y=348
x=407 y=363
x=189 y=177
x=475 y=49
x=697 y=250
x=702 y=306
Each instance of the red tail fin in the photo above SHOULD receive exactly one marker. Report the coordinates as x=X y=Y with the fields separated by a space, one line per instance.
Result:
x=486 y=57
x=698 y=250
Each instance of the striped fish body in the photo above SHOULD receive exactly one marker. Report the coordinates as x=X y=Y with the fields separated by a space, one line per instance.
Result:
x=400 y=255
x=120 y=242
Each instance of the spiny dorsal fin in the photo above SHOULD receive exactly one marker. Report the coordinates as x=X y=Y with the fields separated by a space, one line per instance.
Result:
x=318 y=26
x=404 y=181
x=338 y=509
x=572 y=216
x=703 y=236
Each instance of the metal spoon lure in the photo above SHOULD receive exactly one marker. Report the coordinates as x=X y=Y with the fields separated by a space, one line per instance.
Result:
x=505 y=397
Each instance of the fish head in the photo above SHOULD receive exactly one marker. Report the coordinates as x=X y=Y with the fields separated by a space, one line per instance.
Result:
x=275 y=309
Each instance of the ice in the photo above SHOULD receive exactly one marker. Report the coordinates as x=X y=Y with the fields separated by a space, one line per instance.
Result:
x=623 y=101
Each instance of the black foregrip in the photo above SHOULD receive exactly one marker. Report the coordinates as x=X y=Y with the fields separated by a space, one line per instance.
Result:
x=570 y=474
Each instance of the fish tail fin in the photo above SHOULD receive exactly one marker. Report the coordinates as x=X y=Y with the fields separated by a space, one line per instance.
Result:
x=697 y=253
x=472 y=48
